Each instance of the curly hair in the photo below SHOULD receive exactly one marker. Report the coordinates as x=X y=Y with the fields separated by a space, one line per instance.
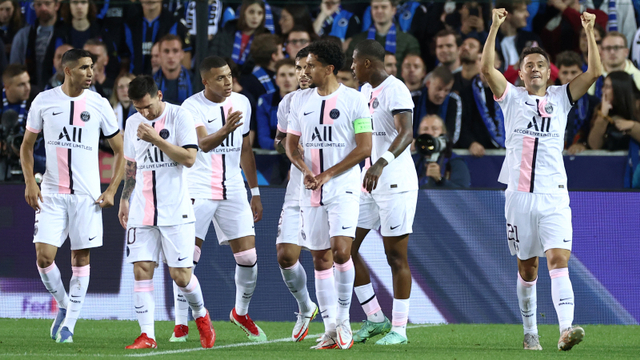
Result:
x=328 y=53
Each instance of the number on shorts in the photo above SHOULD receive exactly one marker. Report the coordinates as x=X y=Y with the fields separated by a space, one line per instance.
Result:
x=512 y=235
x=129 y=236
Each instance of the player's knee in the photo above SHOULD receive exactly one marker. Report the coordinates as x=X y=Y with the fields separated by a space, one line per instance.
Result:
x=181 y=276
x=286 y=259
x=341 y=255
x=44 y=261
x=396 y=260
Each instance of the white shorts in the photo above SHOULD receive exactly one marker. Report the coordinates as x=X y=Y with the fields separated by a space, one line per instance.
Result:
x=537 y=223
x=173 y=243
x=76 y=216
x=231 y=218
x=289 y=226
x=321 y=223
x=392 y=213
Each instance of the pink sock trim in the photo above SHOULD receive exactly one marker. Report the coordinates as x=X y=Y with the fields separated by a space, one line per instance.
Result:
x=345 y=267
x=142 y=285
x=247 y=257
x=80 y=271
x=556 y=273
x=293 y=266
x=192 y=285
x=196 y=254
x=372 y=306
x=526 y=284
x=399 y=318
x=48 y=269
x=323 y=274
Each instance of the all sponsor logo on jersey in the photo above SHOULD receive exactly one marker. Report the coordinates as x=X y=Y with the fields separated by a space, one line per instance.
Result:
x=70 y=137
x=85 y=116
x=154 y=159
x=324 y=135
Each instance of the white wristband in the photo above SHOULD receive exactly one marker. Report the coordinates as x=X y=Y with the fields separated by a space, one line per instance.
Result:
x=388 y=156
x=255 y=191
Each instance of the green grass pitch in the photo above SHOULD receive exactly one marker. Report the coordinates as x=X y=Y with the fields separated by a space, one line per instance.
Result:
x=28 y=339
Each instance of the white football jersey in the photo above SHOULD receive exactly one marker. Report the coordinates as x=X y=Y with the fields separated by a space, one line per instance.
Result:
x=390 y=97
x=217 y=174
x=292 y=195
x=161 y=196
x=534 y=127
x=71 y=128
x=326 y=130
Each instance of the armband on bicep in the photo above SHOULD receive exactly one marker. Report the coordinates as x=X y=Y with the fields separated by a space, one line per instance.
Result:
x=362 y=125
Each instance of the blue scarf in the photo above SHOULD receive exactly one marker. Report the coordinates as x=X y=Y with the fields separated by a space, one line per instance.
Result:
x=443 y=108
x=339 y=24
x=23 y=107
x=580 y=116
x=268 y=18
x=390 y=41
x=235 y=56
x=599 y=84
x=184 y=84
x=405 y=14
x=264 y=79
x=494 y=126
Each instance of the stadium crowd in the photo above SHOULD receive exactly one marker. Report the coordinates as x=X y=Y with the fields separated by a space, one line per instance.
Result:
x=434 y=47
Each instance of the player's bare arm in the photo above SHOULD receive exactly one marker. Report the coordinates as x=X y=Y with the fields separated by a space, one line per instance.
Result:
x=404 y=124
x=277 y=142
x=298 y=161
x=106 y=199
x=248 y=165
x=361 y=152
x=496 y=80
x=208 y=142
x=581 y=84
x=186 y=157
x=32 y=190
x=129 y=184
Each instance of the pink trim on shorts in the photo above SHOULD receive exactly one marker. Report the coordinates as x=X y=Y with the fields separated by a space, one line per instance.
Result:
x=79 y=106
x=296 y=133
x=196 y=253
x=526 y=163
x=556 y=273
x=323 y=274
x=293 y=266
x=372 y=306
x=33 y=130
x=329 y=105
x=217 y=175
x=344 y=267
x=64 y=181
x=526 y=284
x=316 y=195
x=192 y=285
x=247 y=257
x=143 y=285
x=81 y=271
x=503 y=94
x=48 y=269
x=147 y=194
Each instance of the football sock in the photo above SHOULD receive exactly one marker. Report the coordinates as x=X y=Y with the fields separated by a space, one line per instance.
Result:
x=77 y=292
x=296 y=279
x=181 y=306
x=344 y=276
x=53 y=282
x=144 y=304
x=193 y=294
x=562 y=295
x=528 y=301
x=246 y=276
x=327 y=298
x=369 y=302
x=400 y=316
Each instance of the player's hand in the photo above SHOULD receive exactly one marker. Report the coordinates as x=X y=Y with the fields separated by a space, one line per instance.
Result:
x=433 y=170
x=322 y=179
x=372 y=176
x=147 y=133
x=106 y=199
x=576 y=149
x=476 y=149
x=123 y=212
x=233 y=121
x=256 y=208
x=310 y=181
x=32 y=194
x=588 y=20
x=623 y=125
x=498 y=16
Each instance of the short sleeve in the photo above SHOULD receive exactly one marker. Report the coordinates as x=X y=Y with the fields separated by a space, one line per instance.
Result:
x=191 y=109
x=283 y=113
x=361 y=108
x=293 y=126
x=401 y=100
x=109 y=125
x=565 y=96
x=246 y=118
x=34 y=118
x=129 y=142
x=186 y=136
x=505 y=97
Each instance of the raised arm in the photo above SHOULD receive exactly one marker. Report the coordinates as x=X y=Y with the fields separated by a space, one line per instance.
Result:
x=181 y=155
x=581 y=84
x=497 y=81
x=208 y=142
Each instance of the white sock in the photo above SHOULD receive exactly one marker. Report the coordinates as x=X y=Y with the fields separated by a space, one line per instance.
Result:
x=77 y=291
x=180 y=305
x=369 y=302
x=246 y=277
x=345 y=275
x=53 y=282
x=327 y=298
x=400 y=316
x=193 y=294
x=145 y=306
x=296 y=279
x=528 y=301
x=562 y=295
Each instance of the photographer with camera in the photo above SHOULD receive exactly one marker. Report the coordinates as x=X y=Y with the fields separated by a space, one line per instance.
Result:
x=13 y=116
x=436 y=164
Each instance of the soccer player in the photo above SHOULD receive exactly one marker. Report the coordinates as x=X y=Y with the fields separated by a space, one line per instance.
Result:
x=287 y=243
x=391 y=184
x=160 y=141
x=537 y=202
x=217 y=188
x=334 y=125
x=70 y=202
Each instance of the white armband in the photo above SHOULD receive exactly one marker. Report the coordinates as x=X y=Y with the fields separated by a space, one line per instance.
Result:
x=388 y=156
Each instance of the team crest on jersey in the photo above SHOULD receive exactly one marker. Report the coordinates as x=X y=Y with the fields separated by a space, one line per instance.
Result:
x=85 y=116
x=164 y=133
x=375 y=103
x=548 y=108
x=334 y=114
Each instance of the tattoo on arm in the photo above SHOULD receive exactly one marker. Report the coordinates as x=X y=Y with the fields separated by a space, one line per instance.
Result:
x=129 y=179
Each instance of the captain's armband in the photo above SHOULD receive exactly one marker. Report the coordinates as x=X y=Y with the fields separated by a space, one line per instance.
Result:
x=362 y=125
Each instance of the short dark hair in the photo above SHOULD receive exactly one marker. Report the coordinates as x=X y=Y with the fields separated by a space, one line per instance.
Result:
x=347 y=65
x=332 y=38
x=284 y=62
x=141 y=86
x=616 y=34
x=328 y=53
x=301 y=28
x=568 y=58
x=12 y=71
x=98 y=42
x=169 y=37
x=443 y=73
x=447 y=32
x=74 y=55
x=263 y=47
x=534 y=50
x=370 y=49
x=302 y=53
x=212 y=62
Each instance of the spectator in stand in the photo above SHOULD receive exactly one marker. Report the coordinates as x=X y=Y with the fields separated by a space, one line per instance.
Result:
x=391 y=64
x=472 y=21
x=10 y=22
x=101 y=83
x=120 y=99
x=621 y=15
x=437 y=98
x=266 y=50
x=448 y=170
x=334 y=21
x=616 y=119
x=385 y=32
x=576 y=137
x=58 y=78
x=236 y=38
x=470 y=50
x=267 y=112
x=143 y=30
x=295 y=16
x=173 y=79
x=413 y=74
x=512 y=39
x=113 y=30
x=599 y=34
x=236 y=87
x=297 y=39
x=155 y=57
x=615 y=55
x=31 y=42
x=345 y=75
x=215 y=18
x=448 y=50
